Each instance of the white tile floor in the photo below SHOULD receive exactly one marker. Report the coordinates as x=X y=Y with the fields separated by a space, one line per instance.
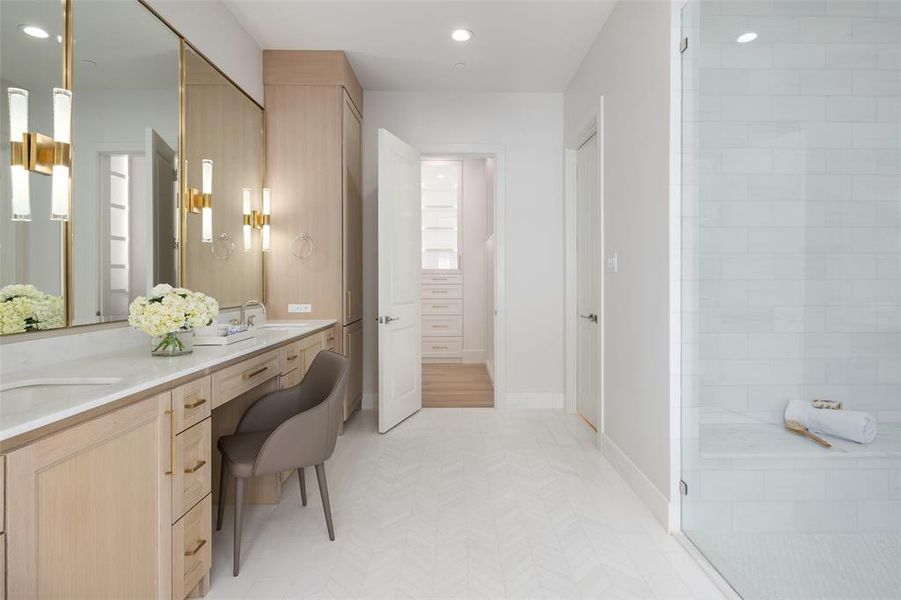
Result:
x=461 y=503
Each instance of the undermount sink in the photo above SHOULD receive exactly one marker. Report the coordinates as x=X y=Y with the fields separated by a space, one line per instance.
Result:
x=54 y=382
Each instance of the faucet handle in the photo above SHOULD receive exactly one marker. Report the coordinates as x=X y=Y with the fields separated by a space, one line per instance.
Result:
x=250 y=320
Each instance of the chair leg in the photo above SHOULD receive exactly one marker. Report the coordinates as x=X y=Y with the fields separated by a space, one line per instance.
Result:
x=303 y=486
x=223 y=490
x=239 y=505
x=326 y=506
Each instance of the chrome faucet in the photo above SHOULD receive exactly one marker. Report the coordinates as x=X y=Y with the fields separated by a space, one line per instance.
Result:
x=249 y=322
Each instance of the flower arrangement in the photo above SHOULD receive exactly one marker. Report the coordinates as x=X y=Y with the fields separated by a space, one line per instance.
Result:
x=168 y=312
x=24 y=307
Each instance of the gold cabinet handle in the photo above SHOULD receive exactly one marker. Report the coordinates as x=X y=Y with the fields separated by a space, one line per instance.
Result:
x=439 y=326
x=196 y=548
x=172 y=451
x=439 y=347
x=196 y=403
x=292 y=357
x=348 y=297
x=247 y=376
x=196 y=467
x=439 y=306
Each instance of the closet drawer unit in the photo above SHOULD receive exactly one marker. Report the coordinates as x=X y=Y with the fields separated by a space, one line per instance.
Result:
x=192 y=403
x=431 y=279
x=452 y=306
x=191 y=553
x=439 y=292
x=442 y=327
x=442 y=347
x=237 y=379
x=193 y=478
x=329 y=343
x=289 y=357
x=290 y=379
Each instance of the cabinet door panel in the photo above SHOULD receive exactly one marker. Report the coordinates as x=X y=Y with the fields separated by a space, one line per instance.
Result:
x=193 y=462
x=87 y=505
x=353 y=350
x=353 y=213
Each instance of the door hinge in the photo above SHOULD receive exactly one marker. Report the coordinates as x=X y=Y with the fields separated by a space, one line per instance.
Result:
x=683 y=46
x=683 y=487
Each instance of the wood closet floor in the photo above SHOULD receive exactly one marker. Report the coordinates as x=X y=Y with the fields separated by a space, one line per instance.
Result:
x=456 y=386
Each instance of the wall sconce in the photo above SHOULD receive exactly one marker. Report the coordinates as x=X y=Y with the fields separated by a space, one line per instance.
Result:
x=201 y=201
x=39 y=153
x=256 y=220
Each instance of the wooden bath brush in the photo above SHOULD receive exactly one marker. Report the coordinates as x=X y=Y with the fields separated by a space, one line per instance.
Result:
x=798 y=428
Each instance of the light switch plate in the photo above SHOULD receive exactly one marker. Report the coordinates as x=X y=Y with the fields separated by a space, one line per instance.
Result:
x=612 y=262
x=300 y=308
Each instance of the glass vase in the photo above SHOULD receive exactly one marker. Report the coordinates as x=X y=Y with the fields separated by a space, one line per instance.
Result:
x=175 y=343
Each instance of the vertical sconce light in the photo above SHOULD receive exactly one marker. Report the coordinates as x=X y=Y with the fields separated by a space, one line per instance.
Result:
x=248 y=225
x=18 y=128
x=266 y=211
x=30 y=151
x=206 y=212
x=62 y=135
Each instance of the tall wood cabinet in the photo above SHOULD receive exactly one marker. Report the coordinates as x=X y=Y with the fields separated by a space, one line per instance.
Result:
x=314 y=167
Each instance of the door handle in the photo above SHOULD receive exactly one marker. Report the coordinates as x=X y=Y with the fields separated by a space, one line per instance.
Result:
x=585 y=317
x=388 y=319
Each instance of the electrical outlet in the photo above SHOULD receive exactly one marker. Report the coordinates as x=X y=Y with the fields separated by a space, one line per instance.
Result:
x=300 y=308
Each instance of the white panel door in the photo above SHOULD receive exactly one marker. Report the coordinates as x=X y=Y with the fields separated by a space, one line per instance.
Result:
x=400 y=238
x=588 y=257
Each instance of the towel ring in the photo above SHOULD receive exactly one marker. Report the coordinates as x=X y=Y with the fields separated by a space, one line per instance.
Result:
x=223 y=247
x=299 y=250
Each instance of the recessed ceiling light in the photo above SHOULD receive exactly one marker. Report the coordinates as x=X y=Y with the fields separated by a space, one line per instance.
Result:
x=746 y=37
x=460 y=65
x=34 y=31
x=461 y=35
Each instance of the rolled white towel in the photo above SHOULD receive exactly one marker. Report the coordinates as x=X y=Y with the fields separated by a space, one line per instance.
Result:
x=852 y=425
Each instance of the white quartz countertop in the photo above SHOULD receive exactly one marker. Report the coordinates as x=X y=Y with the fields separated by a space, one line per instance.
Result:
x=27 y=404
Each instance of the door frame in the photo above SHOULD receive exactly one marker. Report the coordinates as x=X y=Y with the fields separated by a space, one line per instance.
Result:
x=594 y=126
x=496 y=152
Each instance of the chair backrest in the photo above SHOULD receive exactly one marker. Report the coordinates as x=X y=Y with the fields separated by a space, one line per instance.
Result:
x=309 y=437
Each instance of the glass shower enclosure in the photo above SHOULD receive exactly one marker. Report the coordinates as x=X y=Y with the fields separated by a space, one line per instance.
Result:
x=791 y=285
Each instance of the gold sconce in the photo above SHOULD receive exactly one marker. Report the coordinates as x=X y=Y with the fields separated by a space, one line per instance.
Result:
x=38 y=153
x=257 y=220
x=201 y=201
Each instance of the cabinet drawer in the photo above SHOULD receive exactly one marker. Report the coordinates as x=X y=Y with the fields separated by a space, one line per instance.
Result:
x=451 y=306
x=192 y=403
x=290 y=379
x=432 y=279
x=442 y=326
x=193 y=461
x=438 y=347
x=191 y=553
x=329 y=343
x=443 y=291
x=289 y=357
x=237 y=379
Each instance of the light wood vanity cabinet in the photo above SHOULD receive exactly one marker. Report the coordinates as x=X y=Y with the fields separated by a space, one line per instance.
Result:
x=120 y=505
x=314 y=106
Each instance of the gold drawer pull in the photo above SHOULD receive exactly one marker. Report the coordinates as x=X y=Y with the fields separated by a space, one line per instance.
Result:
x=196 y=403
x=196 y=548
x=172 y=441
x=439 y=291
x=196 y=467
x=439 y=326
x=292 y=357
x=439 y=306
x=247 y=376
x=439 y=347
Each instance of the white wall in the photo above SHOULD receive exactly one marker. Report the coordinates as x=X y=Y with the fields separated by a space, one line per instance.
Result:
x=478 y=189
x=211 y=27
x=629 y=64
x=529 y=126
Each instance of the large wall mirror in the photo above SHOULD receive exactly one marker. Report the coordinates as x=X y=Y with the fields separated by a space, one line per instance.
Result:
x=129 y=197
x=223 y=156
x=32 y=283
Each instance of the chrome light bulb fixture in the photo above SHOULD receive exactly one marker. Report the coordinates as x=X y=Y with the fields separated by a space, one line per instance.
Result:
x=30 y=151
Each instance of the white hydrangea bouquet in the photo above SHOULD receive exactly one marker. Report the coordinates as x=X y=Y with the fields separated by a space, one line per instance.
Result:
x=24 y=307
x=169 y=315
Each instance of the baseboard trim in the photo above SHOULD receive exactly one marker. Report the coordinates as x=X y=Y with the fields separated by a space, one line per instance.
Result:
x=370 y=400
x=534 y=400
x=637 y=480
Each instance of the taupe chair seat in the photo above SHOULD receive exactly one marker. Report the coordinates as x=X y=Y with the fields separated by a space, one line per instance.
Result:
x=286 y=430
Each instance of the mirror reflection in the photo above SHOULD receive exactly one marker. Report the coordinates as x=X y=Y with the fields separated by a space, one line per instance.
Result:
x=125 y=137
x=223 y=181
x=31 y=243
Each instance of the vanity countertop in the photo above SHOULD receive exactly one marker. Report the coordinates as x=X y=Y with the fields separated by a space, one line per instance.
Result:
x=104 y=379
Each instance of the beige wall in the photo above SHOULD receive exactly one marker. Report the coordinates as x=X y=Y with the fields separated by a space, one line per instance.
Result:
x=629 y=65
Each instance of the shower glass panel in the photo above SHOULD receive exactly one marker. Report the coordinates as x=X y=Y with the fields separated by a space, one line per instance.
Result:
x=792 y=292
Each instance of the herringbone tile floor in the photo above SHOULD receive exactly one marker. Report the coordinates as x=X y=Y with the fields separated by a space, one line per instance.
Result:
x=461 y=503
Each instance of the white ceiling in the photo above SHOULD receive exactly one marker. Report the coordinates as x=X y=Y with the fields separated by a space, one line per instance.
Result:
x=519 y=46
